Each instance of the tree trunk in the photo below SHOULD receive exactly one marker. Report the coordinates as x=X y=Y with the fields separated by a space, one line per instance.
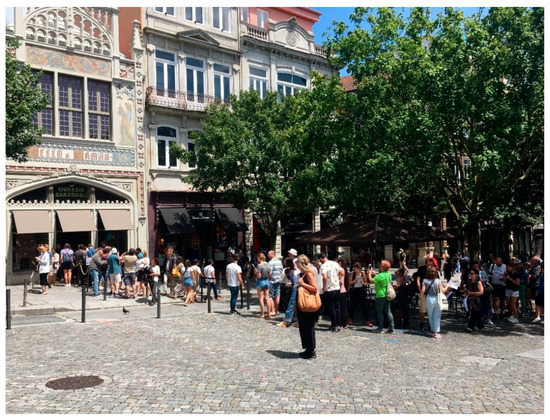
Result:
x=472 y=233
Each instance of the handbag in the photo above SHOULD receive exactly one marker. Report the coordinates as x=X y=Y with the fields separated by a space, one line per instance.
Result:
x=390 y=292
x=308 y=301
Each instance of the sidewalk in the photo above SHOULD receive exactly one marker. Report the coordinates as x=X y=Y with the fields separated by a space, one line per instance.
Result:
x=63 y=299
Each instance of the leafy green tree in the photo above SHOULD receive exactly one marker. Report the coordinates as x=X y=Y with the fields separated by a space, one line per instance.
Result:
x=23 y=100
x=453 y=107
x=245 y=152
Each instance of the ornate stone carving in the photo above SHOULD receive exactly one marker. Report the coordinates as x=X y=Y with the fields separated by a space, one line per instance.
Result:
x=291 y=38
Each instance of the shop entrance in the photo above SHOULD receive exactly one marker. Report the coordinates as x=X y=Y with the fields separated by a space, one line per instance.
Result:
x=73 y=238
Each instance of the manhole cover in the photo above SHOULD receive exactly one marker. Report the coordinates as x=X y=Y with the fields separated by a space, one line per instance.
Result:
x=74 y=382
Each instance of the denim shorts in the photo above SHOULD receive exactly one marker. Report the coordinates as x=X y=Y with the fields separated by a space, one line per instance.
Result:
x=262 y=284
x=129 y=279
x=188 y=281
x=274 y=290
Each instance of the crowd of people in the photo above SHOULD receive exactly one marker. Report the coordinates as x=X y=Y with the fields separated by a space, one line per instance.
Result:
x=494 y=291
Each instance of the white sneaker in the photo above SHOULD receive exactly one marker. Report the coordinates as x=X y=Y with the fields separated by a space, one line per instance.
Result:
x=513 y=320
x=537 y=319
x=489 y=322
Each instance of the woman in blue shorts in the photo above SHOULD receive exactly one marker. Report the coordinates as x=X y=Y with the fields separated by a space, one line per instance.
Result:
x=189 y=281
x=262 y=285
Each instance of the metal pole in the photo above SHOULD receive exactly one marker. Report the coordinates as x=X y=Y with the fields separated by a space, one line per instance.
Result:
x=248 y=294
x=202 y=293
x=8 y=309
x=25 y=292
x=242 y=298
x=158 y=300
x=208 y=297
x=83 y=320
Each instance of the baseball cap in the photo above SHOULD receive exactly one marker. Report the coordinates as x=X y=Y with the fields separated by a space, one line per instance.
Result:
x=113 y=251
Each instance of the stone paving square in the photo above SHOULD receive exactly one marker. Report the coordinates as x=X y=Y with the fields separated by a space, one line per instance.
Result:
x=190 y=361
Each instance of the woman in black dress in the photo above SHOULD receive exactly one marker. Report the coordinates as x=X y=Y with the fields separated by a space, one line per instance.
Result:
x=307 y=320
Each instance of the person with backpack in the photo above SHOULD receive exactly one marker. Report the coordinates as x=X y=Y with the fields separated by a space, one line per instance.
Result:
x=381 y=282
x=66 y=256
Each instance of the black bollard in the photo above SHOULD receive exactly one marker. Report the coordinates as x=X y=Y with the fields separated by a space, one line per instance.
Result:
x=8 y=309
x=25 y=292
x=242 y=298
x=83 y=318
x=158 y=301
x=202 y=288
x=248 y=294
x=208 y=297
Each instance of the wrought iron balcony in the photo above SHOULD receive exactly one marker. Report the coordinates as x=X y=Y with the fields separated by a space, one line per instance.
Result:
x=176 y=99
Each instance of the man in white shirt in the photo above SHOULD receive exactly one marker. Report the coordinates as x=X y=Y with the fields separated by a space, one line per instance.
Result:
x=274 y=282
x=234 y=277
x=331 y=288
x=499 y=287
x=210 y=277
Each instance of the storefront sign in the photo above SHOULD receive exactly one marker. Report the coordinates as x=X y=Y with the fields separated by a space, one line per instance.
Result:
x=200 y=215
x=70 y=192
x=74 y=154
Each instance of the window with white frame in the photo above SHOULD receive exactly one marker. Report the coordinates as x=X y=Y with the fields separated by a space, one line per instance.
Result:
x=194 y=14
x=258 y=80
x=44 y=118
x=245 y=16
x=195 y=79
x=165 y=73
x=221 y=18
x=166 y=136
x=222 y=82
x=263 y=18
x=166 y=10
x=289 y=84
x=70 y=106
x=99 y=110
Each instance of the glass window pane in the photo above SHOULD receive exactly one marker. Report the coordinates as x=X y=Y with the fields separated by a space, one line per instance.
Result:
x=244 y=14
x=159 y=9
x=76 y=124
x=105 y=127
x=226 y=88
x=164 y=55
x=216 y=17
x=173 y=160
x=191 y=148
x=264 y=89
x=189 y=13
x=288 y=90
x=190 y=81
x=166 y=132
x=171 y=70
x=200 y=82
x=258 y=72
x=221 y=68
x=198 y=14
x=194 y=62
x=160 y=75
x=161 y=152
x=92 y=121
x=284 y=77
x=63 y=91
x=217 y=86
x=76 y=94
x=170 y=11
x=299 y=80
x=226 y=14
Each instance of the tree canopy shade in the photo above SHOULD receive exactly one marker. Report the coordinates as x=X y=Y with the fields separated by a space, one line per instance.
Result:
x=245 y=150
x=23 y=100
x=453 y=108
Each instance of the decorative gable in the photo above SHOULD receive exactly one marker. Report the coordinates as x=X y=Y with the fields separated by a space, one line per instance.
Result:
x=198 y=35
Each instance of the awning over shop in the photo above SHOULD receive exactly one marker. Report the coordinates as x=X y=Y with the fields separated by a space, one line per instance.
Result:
x=177 y=220
x=116 y=219
x=76 y=220
x=231 y=219
x=31 y=221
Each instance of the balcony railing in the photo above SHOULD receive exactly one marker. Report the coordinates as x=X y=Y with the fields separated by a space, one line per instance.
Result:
x=257 y=32
x=176 y=99
x=320 y=50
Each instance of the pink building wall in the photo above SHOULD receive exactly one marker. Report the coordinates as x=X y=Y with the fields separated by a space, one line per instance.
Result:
x=305 y=16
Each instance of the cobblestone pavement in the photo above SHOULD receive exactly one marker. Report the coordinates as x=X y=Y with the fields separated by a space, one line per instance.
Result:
x=193 y=362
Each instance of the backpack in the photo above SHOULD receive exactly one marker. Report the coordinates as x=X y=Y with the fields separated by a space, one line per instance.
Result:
x=67 y=257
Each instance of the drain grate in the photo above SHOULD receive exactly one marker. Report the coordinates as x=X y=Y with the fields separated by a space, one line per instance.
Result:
x=74 y=382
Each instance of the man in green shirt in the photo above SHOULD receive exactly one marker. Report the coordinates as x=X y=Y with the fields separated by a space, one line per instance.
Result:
x=382 y=304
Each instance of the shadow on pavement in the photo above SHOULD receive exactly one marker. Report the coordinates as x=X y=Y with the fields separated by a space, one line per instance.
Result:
x=283 y=354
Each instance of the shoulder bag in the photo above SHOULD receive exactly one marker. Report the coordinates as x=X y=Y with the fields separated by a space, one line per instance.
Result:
x=308 y=301
x=390 y=291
